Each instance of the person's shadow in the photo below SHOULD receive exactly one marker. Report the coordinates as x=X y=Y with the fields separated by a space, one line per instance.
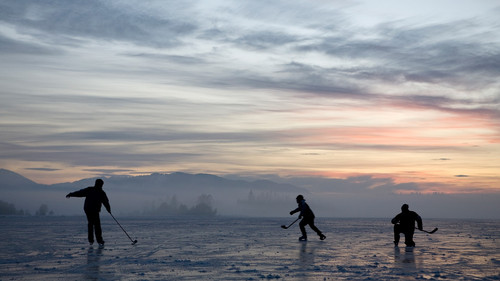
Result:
x=93 y=262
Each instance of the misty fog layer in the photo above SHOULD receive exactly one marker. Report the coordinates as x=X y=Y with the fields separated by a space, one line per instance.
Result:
x=203 y=194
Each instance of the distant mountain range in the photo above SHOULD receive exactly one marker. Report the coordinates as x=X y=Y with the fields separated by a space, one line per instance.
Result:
x=144 y=192
x=177 y=180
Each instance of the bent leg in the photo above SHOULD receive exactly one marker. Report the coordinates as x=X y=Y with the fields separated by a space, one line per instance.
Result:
x=313 y=227
x=409 y=239
x=397 y=231
x=302 y=225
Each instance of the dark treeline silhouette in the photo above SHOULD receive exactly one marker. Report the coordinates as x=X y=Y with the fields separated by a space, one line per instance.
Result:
x=173 y=207
x=44 y=210
x=9 y=209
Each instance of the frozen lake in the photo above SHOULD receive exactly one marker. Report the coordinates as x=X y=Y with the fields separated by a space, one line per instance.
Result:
x=55 y=248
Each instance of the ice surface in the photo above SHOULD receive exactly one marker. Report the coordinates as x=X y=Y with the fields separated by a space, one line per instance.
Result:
x=55 y=248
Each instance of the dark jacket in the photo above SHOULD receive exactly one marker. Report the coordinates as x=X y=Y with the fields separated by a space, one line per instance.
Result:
x=305 y=211
x=406 y=220
x=95 y=197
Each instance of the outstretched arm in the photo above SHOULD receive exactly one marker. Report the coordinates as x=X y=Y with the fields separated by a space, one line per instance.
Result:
x=79 y=193
x=299 y=209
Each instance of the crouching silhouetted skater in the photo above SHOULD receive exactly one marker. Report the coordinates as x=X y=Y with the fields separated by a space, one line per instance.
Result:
x=404 y=222
x=94 y=198
x=307 y=216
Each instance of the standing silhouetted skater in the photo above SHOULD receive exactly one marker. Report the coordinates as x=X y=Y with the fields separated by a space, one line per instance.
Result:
x=404 y=222
x=94 y=198
x=307 y=216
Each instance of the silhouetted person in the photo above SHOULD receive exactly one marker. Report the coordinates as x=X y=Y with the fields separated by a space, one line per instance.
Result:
x=94 y=198
x=404 y=222
x=307 y=216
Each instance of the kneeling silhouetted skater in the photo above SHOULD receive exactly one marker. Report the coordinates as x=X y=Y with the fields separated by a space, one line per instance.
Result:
x=404 y=222
x=307 y=216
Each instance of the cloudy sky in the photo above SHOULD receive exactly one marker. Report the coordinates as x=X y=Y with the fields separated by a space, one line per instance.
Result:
x=401 y=90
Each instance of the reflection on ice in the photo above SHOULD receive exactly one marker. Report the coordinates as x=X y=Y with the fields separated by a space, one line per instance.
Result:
x=306 y=255
x=306 y=259
x=407 y=260
x=93 y=262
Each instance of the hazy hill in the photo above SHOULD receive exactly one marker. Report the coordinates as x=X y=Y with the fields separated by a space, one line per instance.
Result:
x=11 y=180
x=136 y=194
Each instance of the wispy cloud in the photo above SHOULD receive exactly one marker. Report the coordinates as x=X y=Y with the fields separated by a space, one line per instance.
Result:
x=43 y=169
x=129 y=86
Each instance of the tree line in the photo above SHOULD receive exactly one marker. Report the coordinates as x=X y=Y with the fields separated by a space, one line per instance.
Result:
x=173 y=207
x=7 y=209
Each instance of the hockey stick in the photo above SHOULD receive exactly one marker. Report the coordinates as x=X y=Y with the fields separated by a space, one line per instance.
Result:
x=133 y=241
x=430 y=232
x=286 y=227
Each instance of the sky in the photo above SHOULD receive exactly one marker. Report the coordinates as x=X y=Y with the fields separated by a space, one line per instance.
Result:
x=403 y=91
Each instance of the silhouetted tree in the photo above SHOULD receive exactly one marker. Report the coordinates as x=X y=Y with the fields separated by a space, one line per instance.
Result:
x=43 y=210
x=203 y=206
x=173 y=207
x=7 y=208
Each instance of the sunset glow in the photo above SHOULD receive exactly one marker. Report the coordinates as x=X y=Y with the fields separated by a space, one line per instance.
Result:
x=333 y=89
